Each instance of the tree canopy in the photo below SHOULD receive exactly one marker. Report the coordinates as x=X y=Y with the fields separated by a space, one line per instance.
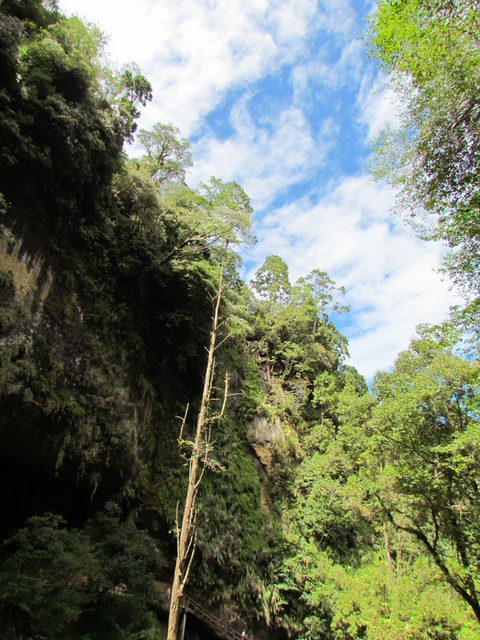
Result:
x=425 y=442
x=167 y=156
x=431 y=51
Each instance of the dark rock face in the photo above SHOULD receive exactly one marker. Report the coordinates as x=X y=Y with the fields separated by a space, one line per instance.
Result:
x=70 y=417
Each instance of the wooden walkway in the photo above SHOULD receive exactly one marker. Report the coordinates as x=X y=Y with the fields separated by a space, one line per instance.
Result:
x=221 y=628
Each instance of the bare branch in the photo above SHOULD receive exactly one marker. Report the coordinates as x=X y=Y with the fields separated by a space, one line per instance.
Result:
x=183 y=423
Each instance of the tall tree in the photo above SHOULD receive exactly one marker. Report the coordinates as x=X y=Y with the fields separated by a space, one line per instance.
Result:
x=424 y=457
x=228 y=214
x=210 y=220
x=186 y=533
x=431 y=50
x=228 y=223
x=320 y=294
x=271 y=280
x=130 y=89
x=168 y=155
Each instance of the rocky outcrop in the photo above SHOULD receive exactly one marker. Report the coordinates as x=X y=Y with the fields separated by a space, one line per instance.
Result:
x=262 y=434
x=30 y=279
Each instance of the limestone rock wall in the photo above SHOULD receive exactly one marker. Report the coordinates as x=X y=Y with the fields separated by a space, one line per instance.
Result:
x=262 y=434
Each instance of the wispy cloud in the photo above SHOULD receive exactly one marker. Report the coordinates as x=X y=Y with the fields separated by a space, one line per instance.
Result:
x=316 y=79
x=337 y=16
x=376 y=104
x=389 y=274
x=193 y=52
x=286 y=79
x=266 y=158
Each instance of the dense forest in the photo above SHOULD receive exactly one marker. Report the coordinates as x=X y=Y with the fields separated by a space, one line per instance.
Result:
x=325 y=509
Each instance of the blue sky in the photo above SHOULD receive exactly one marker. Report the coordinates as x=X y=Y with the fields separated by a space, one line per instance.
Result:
x=279 y=96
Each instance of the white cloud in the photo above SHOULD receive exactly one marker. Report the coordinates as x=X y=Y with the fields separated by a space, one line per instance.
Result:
x=388 y=273
x=193 y=52
x=266 y=159
x=318 y=77
x=377 y=105
x=337 y=16
x=200 y=55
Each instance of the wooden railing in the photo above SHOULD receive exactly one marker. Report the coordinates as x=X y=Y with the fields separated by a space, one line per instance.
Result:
x=222 y=628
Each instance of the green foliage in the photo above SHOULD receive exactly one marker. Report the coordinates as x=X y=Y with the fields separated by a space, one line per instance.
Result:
x=230 y=212
x=253 y=394
x=271 y=280
x=294 y=342
x=237 y=542
x=61 y=138
x=65 y=583
x=431 y=51
x=313 y=481
x=318 y=294
x=421 y=606
x=60 y=60
x=130 y=89
x=128 y=556
x=167 y=156
x=423 y=458
x=48 y=581
x=362 y=520
x=235 y=535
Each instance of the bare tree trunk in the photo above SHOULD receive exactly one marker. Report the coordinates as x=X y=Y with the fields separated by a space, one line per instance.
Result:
x=187 y=534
